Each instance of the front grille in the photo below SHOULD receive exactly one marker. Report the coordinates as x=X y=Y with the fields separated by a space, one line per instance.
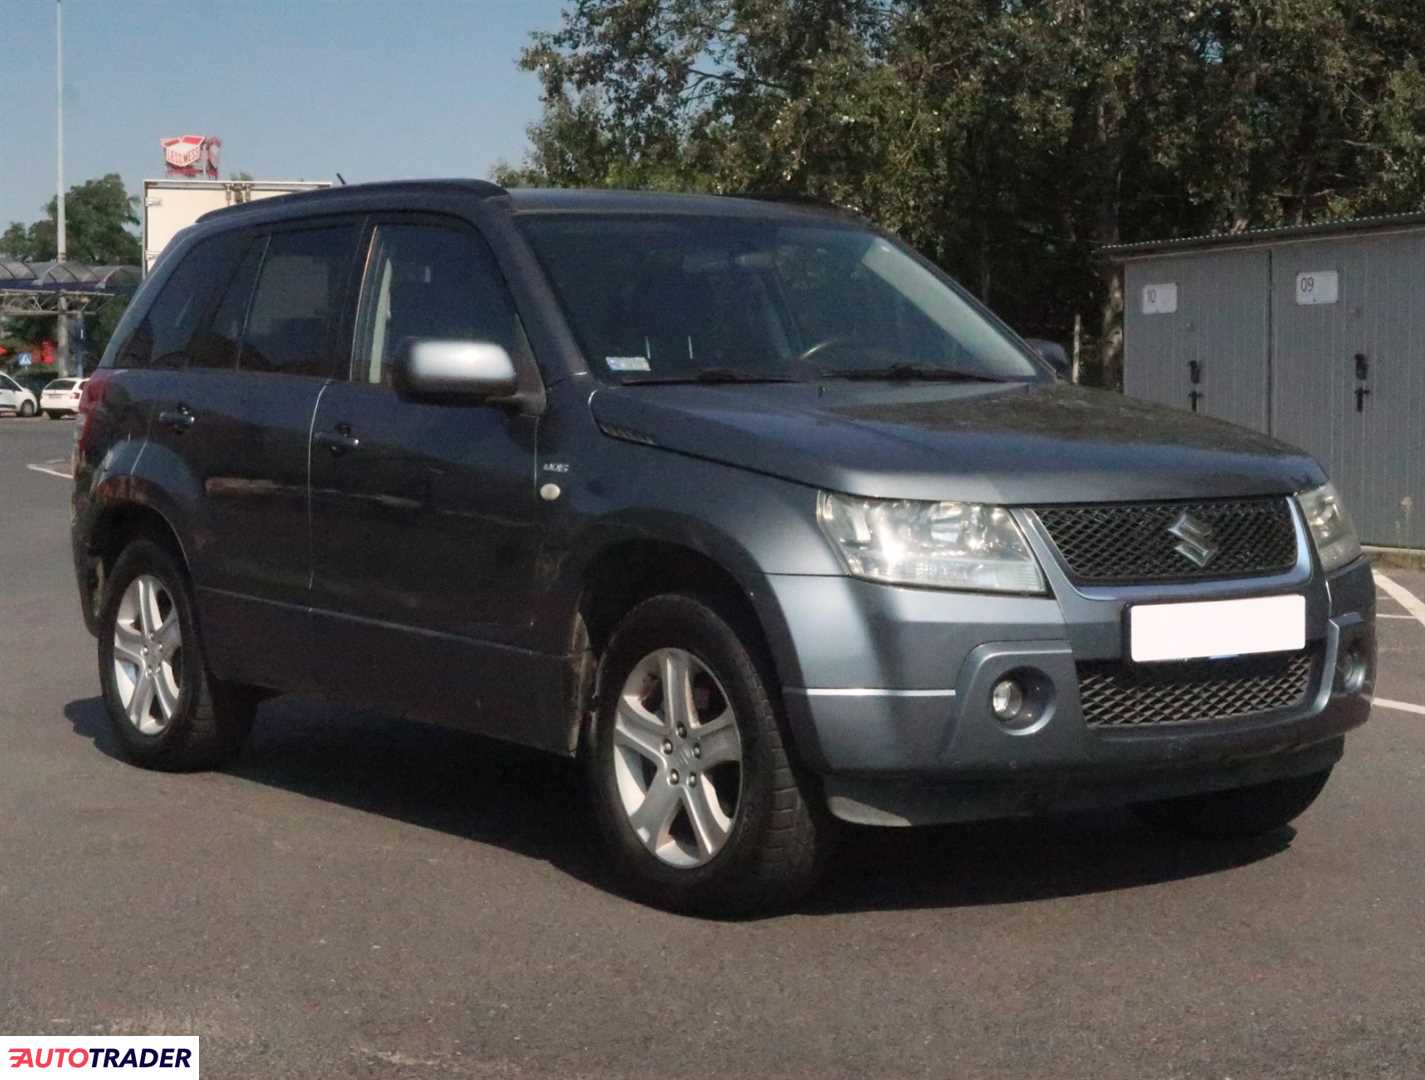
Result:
x=1113 y=694
x=1125 y=542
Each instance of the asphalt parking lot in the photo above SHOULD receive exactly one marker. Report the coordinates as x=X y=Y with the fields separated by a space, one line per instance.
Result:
x=362 y=897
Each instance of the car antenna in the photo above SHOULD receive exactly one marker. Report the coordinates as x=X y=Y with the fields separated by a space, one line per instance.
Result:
x=342 y=179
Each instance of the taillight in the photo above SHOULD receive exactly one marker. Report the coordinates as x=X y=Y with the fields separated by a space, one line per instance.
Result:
x=89 y=401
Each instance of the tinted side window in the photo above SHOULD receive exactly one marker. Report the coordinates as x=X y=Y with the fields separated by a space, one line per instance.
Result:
x=298 y=301
x=163 y=335
x=216 y=344
x=432 y=282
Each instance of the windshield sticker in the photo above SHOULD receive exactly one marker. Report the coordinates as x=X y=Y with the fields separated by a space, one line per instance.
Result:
x=627 y=363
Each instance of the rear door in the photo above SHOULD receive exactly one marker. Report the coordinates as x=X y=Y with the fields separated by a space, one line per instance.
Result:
x=424 y=515
x=238 y=413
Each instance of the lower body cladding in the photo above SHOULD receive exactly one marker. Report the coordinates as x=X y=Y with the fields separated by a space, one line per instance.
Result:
x=921 y=707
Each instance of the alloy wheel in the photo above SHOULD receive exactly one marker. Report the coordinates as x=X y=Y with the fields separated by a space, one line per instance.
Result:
x=148 y=655
x=677 y=757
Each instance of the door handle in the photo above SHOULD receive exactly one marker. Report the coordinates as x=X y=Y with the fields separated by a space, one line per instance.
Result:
x=338 y=441
x=180 y=418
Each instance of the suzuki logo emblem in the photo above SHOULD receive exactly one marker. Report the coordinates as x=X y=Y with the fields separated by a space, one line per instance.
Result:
x=1196 y=536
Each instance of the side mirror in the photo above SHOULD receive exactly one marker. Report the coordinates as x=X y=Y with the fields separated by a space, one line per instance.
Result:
x=1054 y=354
x=472 y=370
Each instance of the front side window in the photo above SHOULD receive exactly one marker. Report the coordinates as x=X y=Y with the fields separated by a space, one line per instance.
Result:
x=675 y=296
x=428 y=282
x=297 y=302
x=7 y=383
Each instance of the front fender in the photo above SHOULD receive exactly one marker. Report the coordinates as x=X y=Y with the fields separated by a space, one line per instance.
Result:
x=750 y=525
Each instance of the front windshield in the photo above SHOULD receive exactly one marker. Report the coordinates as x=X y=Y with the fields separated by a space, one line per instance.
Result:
x=678 y=297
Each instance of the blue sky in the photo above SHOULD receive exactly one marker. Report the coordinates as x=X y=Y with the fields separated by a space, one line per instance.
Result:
x=373 y=89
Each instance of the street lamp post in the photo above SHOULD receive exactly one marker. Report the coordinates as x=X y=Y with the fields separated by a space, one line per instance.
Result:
x=61 y=334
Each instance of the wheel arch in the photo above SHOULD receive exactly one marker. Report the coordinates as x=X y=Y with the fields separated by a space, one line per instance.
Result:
x=626 y=570
x=120 y=521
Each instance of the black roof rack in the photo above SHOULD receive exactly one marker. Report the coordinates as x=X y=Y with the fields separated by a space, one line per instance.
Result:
x=482 y=188
x=795 y=199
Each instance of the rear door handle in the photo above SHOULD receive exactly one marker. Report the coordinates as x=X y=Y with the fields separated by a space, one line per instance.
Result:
x=338 y=441
x=180 y=418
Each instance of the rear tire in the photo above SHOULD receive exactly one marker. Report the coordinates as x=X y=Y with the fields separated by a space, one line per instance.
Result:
x=165 y=707
x=1239 y=812
x=52 y=414
x=700 y=805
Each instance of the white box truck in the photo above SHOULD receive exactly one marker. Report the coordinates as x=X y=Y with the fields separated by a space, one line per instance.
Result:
x=173 y=204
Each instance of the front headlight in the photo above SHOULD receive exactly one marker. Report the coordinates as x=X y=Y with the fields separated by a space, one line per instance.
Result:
x=1331 y=528
x=947 y=545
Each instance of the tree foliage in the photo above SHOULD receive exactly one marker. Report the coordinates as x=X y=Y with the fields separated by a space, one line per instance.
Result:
x=98 y=218
x=1008 y=139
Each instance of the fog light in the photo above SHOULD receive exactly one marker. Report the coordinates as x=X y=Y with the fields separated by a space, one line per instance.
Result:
x=1353 y=673
x=1007 y=700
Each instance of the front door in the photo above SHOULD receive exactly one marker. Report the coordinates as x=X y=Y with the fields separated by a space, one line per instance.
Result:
x=424 y=514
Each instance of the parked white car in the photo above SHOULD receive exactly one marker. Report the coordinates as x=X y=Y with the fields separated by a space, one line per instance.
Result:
x=16 y=398
x=61 y=397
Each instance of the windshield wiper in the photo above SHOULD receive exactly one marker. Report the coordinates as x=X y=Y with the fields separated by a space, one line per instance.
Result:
x=708 y=375
x=907 y=373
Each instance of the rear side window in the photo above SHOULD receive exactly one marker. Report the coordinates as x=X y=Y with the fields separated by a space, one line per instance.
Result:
x=298 y=300
x=167 y=329
x=216 y=345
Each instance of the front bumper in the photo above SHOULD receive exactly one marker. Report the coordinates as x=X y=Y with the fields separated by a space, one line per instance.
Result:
x=892 y=706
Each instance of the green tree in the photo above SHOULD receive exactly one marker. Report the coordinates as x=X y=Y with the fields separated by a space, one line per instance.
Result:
x=99 y=218
x=1009 y=139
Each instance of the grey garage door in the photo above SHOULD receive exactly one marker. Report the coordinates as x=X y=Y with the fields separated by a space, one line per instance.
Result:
x=1203 y=317
x=1348 y=374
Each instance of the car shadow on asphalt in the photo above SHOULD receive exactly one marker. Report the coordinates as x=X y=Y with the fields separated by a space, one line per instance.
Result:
x=492 y=792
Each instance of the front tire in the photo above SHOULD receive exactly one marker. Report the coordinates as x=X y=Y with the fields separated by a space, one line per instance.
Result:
x=27 y=409
x=699 y=803
x=1239 y=812
x=166 y=709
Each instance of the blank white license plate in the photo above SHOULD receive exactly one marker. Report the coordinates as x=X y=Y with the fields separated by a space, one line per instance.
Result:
x=1213 y=628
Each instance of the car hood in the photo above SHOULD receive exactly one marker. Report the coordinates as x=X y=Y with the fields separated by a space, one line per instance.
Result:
x=1015 y=444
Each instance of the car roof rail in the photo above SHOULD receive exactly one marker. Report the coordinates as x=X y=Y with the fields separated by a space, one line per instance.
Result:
x=353 y=192
x=811 y=202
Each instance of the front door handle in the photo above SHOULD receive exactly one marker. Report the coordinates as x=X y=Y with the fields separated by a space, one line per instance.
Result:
x=180 y=418
x=338 y=441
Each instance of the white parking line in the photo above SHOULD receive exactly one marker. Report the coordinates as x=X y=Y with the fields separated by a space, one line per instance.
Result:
x=1399 y=706
x=1408 y=618
x=1402 y=596
x=50 y=472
